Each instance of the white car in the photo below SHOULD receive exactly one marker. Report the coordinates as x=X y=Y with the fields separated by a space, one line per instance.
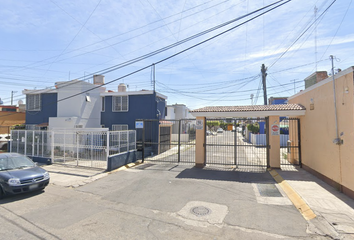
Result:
x=220 y=130
x=4 y=139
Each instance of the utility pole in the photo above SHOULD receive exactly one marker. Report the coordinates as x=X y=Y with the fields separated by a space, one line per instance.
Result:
x=337 y=139
x=315 y=12
x=264 y=75
x=153 y=76
x=12 y=96
x=294 y=84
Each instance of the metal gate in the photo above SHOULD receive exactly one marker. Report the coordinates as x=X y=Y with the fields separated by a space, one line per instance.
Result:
x=237 y=142
x=171 y=141
x=290 y=144
x=243 y=142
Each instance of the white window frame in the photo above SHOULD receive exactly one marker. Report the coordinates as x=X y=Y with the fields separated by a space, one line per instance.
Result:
x=120 y=127
x=33 y=102
x=117 y=104
x=103 y=104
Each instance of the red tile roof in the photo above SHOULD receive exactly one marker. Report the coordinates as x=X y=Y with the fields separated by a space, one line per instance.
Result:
x=252 y=108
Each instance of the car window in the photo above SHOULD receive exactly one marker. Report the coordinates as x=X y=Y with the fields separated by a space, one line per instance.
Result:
x=5 y=164
x=20 y=162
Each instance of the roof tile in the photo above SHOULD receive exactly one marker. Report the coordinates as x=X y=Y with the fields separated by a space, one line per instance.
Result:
x=252 y=108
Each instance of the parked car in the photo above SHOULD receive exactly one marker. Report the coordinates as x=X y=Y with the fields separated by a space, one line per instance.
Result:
x=220 y=130
x=4 y=138
x=19 y=174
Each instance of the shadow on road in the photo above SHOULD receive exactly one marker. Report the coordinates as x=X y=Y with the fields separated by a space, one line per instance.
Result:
x=232 y=176
x=19 y=197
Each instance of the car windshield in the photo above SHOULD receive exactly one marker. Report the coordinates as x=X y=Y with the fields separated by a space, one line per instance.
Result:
x=15 y=162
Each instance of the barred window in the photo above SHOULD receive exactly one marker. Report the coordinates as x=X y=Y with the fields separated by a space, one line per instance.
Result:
x=120 y=104
x=119 y=127
x=33 y=102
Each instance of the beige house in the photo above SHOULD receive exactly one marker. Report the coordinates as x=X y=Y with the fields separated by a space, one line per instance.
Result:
x=327 y=143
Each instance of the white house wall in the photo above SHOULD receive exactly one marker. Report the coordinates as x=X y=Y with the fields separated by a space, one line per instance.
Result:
x=88 y=113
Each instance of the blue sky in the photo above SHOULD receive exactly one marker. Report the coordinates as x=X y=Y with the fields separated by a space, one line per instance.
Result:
x=43 y=42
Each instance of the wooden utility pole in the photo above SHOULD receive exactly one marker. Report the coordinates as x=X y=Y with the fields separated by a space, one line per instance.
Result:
x=264 y=75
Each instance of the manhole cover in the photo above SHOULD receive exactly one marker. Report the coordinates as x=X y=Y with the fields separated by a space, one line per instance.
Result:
x=200 y=211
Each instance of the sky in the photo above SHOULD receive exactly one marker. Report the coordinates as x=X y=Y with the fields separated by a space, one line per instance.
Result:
x=43 y=42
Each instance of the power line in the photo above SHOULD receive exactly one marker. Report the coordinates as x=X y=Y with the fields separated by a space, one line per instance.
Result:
x=301 y=35
x=27 y=66
x=135 y=60
x=187 y=49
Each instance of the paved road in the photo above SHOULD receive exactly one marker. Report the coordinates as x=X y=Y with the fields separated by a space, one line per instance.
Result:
x=158 y=202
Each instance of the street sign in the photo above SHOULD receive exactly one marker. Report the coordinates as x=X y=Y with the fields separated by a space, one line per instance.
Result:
x=275 y=129
x=199 y=124
x=139 y=124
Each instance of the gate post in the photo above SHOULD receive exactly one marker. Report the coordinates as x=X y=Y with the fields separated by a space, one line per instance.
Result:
x=200 y=142
x=274 y=142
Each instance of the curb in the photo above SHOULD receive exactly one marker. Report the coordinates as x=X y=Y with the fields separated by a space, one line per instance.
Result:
x=295 y=198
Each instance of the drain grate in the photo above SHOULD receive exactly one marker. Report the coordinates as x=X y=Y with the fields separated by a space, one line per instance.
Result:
x=200 y=211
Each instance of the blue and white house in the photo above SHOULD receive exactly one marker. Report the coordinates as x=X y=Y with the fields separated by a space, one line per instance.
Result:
x=72 y=104
x=79 y=104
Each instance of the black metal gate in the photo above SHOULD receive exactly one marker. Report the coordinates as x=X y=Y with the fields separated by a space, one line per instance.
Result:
x=290 y=144
x=243 y=142
x=171 y=141
x=237 y=142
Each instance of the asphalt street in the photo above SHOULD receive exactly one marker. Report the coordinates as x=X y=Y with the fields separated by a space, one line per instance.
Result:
x=158 y=201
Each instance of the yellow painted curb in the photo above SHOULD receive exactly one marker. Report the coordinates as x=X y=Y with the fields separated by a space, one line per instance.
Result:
x=129 y=165
x=298 y=202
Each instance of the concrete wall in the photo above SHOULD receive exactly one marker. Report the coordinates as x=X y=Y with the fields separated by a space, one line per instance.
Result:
x=318 y=130
x=88 y=113
x=7 y=120
x=121 y=159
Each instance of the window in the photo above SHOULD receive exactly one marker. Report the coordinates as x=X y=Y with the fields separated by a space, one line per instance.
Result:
x=102 y=104
x=119 y=127
x=120 y=104
x=78 y=126
x=33 y=102
x=9 y=109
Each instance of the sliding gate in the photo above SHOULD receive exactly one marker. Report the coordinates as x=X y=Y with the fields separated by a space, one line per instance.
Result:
x=171 y=141
x=240 y=143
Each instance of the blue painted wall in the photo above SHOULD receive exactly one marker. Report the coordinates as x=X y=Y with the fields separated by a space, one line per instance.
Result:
x=140 y=107
x=279 y=101
x=261 y=127
x=48 y=109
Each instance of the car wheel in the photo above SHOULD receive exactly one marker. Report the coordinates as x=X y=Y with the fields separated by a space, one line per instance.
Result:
x=2 y=194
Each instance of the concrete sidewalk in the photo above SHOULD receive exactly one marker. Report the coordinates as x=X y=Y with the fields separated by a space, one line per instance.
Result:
x=70 y=176
x=334 y=210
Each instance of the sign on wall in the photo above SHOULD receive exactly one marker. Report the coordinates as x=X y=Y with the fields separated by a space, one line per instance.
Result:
x=139 y=124
x=199 y=124
x=275 y=129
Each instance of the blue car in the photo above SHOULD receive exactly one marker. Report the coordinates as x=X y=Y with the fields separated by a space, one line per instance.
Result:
x=19 y=174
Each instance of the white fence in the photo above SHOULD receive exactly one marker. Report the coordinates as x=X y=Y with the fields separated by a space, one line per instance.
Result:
x=84 y=147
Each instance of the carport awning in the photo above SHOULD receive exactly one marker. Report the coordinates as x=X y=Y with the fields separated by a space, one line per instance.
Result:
x=251 y=111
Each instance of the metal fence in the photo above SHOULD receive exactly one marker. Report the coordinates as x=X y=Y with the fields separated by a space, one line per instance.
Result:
x=171 y=141
x=89 y=148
